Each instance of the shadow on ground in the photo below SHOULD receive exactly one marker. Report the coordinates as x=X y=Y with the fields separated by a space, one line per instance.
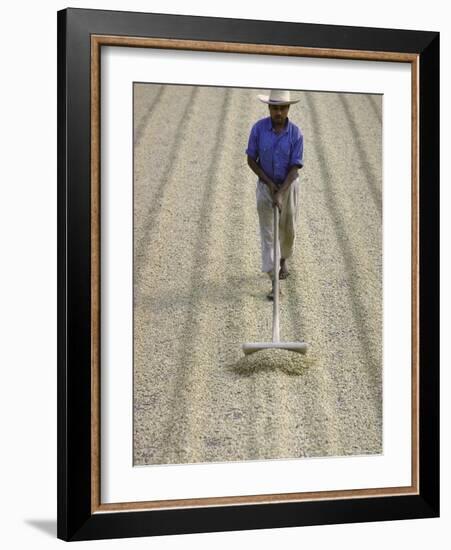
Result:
x=47 y=526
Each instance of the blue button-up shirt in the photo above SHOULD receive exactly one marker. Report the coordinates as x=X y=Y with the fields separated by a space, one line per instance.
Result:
x=276 y=153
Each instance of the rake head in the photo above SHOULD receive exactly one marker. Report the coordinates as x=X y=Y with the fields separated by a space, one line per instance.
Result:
x=252 y=347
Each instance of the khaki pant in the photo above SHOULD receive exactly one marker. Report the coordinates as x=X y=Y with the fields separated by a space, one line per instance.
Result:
x=287 y=223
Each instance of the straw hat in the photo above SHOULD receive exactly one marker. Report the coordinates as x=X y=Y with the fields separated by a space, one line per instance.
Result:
x=277 y=97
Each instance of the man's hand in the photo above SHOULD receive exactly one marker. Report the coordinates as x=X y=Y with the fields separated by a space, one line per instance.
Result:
x=272 y=187
x=277 y=199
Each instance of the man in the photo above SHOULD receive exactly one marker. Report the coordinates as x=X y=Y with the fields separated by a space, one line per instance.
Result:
x=275 y=154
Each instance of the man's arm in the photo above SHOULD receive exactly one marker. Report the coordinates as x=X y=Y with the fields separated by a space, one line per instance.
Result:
x=258 y=170
x=296 y=161
x=291 y=176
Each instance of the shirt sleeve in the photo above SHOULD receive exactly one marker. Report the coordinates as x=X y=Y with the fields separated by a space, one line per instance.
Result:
x=252 y=146
x=297 y=151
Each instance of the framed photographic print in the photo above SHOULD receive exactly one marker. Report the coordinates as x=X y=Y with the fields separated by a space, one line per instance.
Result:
x=248 y=274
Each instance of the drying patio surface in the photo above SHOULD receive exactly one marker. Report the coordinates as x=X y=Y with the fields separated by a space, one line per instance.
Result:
x=199 y=293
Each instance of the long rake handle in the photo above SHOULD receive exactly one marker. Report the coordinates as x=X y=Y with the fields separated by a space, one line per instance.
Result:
x=275 y=309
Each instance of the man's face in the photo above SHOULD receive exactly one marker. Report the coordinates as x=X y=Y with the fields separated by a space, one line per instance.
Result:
x=278 y=113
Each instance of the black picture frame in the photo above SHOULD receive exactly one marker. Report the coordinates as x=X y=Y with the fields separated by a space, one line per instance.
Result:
x=76 y=518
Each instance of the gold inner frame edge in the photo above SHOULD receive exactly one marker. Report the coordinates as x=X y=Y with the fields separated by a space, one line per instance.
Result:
x=97 y=41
